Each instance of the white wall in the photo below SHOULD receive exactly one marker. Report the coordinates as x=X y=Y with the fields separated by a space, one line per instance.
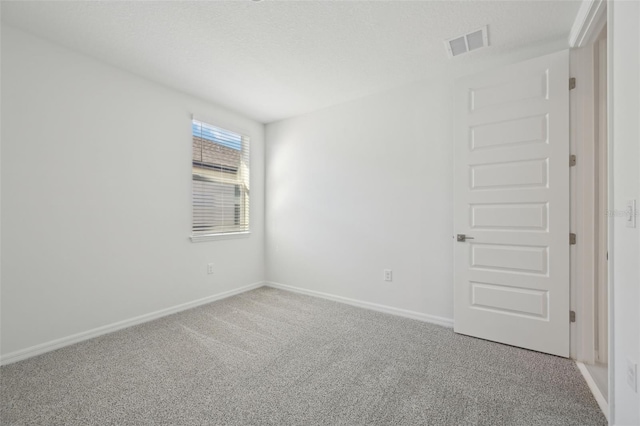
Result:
x=96 y=187
x=367 y=185
x=364 y=186
x=624 y=39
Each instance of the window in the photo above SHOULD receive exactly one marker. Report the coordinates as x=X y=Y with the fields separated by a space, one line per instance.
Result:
x=220 y=173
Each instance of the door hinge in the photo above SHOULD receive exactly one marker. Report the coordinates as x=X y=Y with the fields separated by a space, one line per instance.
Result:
x=572 y=83
x=572 y=160
x=572 y=238
x=572 y=316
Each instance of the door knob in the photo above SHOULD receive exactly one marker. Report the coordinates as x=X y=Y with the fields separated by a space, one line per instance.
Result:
x=462 y=238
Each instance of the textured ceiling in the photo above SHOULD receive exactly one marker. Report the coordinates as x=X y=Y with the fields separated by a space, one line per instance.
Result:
x=275 y=59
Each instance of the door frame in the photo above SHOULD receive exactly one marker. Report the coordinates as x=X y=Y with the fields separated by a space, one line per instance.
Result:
x=583 y=139
x=588 y=25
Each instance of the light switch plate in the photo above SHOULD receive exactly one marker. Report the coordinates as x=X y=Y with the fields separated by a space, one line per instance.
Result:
x=631 y=214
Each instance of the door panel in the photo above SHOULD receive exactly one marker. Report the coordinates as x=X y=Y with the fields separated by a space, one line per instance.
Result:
x=524 y=216
x=511 y=199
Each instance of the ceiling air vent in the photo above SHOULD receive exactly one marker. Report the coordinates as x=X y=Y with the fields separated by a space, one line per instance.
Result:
x=467 y=43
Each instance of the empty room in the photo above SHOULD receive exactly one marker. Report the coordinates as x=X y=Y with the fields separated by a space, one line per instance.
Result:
x=265 y=212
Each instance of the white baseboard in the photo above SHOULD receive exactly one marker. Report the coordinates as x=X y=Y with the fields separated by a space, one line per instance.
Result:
x=446 y=322
x=90 y=334
x=595 y=390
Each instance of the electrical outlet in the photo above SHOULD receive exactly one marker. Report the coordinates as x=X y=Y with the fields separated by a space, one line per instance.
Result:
x=210 y=268
x=632 y=375
x=388 y=275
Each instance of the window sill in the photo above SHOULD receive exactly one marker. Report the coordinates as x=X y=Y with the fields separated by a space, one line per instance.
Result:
x=214 y=237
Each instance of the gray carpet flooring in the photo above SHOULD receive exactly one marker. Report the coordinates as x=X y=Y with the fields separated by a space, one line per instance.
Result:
x=271 y=357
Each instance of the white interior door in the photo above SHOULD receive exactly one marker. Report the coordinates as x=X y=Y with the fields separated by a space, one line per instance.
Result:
x=511 y=196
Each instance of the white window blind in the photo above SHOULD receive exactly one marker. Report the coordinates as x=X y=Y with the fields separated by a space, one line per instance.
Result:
x=220 y=181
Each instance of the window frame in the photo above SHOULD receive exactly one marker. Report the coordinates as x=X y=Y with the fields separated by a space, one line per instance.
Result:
x=246 y=138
